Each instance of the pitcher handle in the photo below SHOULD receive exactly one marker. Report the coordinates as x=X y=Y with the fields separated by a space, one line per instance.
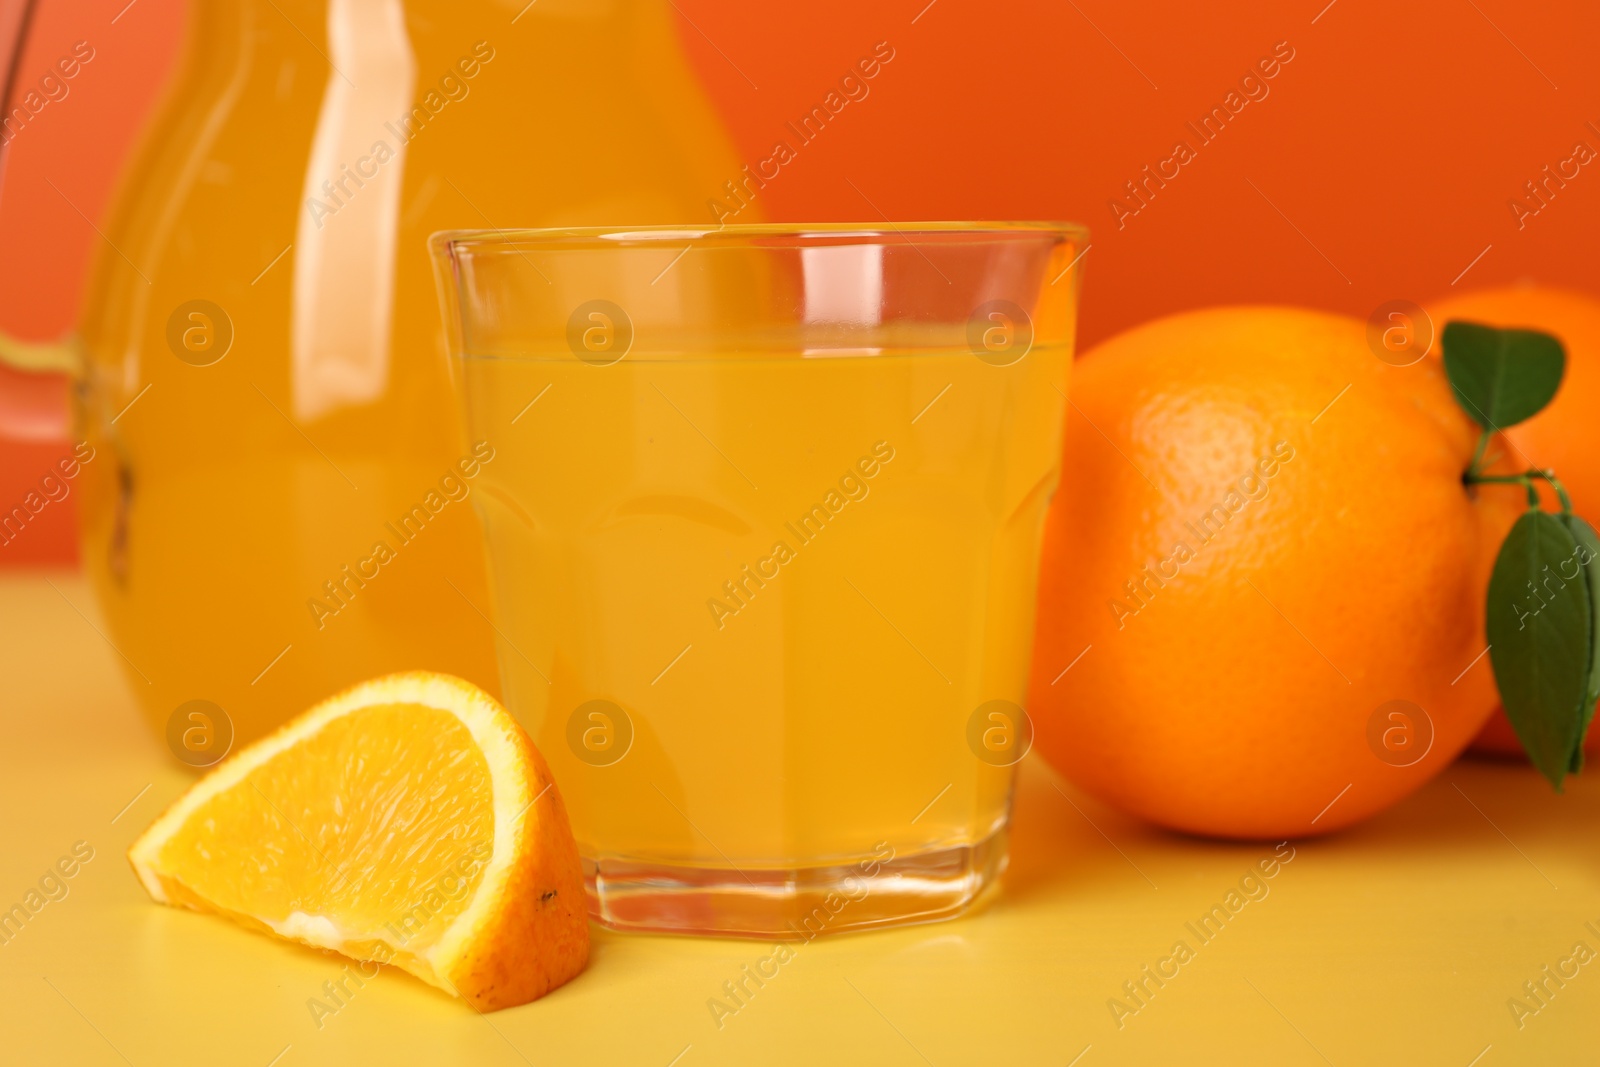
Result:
x=35 y=388
x=34 y=376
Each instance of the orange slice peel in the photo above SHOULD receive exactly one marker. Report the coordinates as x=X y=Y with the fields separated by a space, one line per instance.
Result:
x=408 y=820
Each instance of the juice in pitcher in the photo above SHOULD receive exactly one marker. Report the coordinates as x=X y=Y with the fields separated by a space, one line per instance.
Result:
x=276 y=507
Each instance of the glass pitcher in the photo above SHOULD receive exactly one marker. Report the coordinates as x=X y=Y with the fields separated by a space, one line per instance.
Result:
x=276 y=503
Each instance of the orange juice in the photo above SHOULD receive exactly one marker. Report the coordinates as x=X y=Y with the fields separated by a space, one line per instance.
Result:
x=265 y=385
x=751 y=605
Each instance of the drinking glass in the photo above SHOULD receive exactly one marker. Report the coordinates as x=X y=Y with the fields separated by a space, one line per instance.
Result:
x=763 y=515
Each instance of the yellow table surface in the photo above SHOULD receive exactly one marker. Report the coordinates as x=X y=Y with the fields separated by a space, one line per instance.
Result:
x=1397 y=942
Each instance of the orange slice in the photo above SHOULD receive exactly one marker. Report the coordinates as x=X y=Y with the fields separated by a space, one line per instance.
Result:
x=408 y=820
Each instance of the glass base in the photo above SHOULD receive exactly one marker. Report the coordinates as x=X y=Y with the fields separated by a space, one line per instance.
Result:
x=883 y=889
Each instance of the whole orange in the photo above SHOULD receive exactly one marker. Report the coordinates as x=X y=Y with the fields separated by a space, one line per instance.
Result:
x=1564 y=436
x=1260 y=544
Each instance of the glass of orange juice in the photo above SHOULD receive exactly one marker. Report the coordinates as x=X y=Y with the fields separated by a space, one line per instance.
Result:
x=763 y=524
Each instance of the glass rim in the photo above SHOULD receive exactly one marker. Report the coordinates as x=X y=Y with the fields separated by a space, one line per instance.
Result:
x=558 y=238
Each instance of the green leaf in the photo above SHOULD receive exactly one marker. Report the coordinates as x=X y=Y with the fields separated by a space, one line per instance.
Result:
x=1540 y=621
x=1501 y=377
x=1589 y=557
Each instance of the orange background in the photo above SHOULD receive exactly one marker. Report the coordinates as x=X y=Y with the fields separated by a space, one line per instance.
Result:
x=1379 y=166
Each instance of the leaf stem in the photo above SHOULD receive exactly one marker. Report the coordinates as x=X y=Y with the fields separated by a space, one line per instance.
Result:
x=1526 y=479
x=1561 y=490
x=1477 y=457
